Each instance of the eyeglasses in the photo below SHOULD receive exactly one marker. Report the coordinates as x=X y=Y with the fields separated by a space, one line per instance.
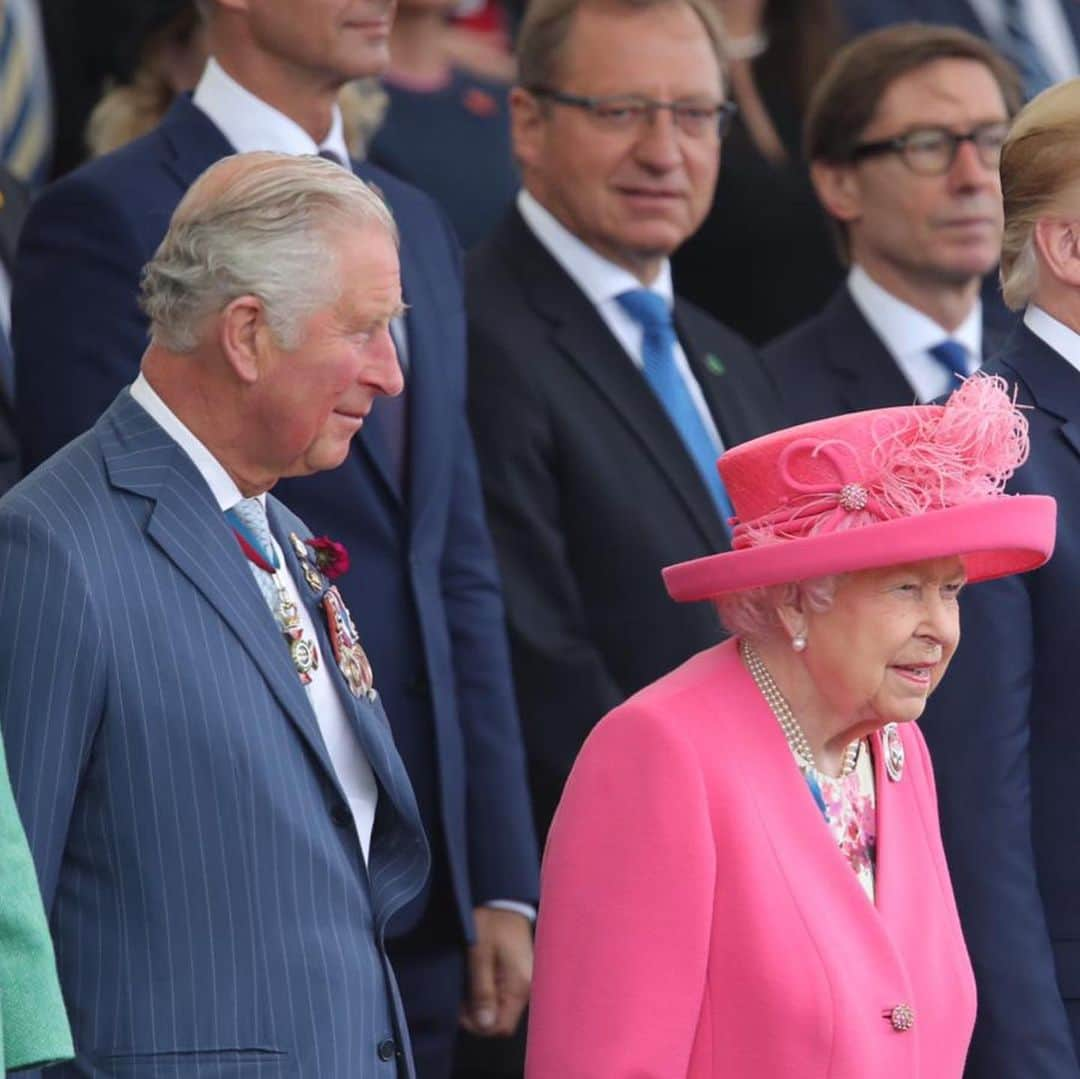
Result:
x=624 y=112
x=931 y=151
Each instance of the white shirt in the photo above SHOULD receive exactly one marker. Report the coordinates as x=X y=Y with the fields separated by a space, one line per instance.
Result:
x=1064 y=341
x=1047 y=27
x=602 y=281
x=908 y=334
x=346 y=755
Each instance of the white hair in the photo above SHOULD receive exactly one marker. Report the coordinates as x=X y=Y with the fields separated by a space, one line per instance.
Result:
x=752 y=613
x=266 y=229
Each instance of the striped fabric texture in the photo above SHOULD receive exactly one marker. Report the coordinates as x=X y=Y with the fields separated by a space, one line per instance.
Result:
x=210 y=907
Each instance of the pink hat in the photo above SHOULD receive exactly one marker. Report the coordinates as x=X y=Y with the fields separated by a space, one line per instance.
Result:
x=879 y=488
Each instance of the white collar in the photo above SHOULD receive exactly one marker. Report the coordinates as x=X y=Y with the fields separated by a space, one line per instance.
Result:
x=1063 y=340
x=222 y=485
x=904 y=330
x=249 y=123
x=599 y=279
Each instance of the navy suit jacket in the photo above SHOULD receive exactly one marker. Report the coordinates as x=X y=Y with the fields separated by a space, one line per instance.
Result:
x=423 y=588
x=1002 y=730
x=863 y=15
x=211 y=909
x=836 y=363
x=590 y=490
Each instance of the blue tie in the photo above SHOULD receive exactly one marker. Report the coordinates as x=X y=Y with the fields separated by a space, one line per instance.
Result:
x=658 y=352
x=7 y=368
x=1022 y=50
x=952 y=356
x=250 y=515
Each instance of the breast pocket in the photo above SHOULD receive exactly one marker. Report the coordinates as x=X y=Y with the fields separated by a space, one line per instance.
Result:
x=203 y=1063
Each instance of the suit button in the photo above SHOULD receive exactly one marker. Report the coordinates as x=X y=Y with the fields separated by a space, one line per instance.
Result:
x=341 y=816
x=387 y=1050
x=901 y=1017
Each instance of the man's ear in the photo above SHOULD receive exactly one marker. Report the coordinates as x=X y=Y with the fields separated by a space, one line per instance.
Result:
x=527 y=123
x=243 y=336
x=838 y=189
x=1058 y=243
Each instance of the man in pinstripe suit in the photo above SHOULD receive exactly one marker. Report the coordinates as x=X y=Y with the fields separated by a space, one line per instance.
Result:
x=222 y=827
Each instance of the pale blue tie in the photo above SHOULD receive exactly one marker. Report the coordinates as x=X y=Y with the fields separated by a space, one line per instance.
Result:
x=953 y=357
x=651 y=311
x=24 y=96
x=250 y=513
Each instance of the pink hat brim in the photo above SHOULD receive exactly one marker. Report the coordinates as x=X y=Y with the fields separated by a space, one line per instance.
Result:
x=994 y=537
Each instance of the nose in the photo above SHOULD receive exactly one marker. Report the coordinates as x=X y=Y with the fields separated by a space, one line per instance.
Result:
x=657 y=145
x=941 y=622
x=385 y=374
x=968 y=171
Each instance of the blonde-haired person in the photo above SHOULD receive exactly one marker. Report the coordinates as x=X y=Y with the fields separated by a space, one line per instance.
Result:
x=1003 y=732
x=745 y=877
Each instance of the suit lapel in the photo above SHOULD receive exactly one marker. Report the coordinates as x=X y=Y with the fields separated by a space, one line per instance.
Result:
x=1053 y=382
x=367 y=718
x=866 y=373
x=189 y=528
x=581 y=335
x=194 y=142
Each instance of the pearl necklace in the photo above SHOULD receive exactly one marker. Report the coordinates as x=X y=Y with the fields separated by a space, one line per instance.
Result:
x=776 y=701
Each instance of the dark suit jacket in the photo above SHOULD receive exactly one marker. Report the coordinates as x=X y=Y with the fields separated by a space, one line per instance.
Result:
x=836 y=363
x=863 y=15
x=1002 y=730
x=590 y=491
x=14 y=201
x=212 y=911
x=423 y=588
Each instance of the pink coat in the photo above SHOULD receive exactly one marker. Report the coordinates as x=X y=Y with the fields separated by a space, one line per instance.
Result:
x=698 y=920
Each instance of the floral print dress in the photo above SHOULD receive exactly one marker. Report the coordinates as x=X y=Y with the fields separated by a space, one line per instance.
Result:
x=849 y=808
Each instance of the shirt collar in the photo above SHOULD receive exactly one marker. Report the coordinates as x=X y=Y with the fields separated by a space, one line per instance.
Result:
x=249 y=123
x=904 y=330
x=600 y=279
x=222 y=485
x=1064 y=341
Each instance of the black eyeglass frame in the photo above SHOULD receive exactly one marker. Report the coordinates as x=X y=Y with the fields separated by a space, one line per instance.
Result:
x=901 y=144
x=724 y=111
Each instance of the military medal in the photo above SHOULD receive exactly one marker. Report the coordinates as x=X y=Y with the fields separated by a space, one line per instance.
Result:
x=894 y=751
x=303 y=652
x=348 y=651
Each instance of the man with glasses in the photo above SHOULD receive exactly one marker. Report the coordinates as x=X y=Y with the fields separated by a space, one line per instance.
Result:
x=599 y=400
x=904 y=133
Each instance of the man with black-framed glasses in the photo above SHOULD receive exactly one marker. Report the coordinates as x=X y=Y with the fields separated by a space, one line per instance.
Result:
x=599 y=400
x=904 y=135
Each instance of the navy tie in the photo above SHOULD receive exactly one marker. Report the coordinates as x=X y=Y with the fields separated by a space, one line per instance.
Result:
x=952 y=356
x=7 y=368
x=651 y=311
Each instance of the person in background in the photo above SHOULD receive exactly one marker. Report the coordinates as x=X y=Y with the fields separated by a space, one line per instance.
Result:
x=745 y=875
x=904 y=134
x=1002 y=732
x=163 y=55
x=406 y=501
x=1040 y=37
x=446 y=129
x=766 y=224
x=600 y=400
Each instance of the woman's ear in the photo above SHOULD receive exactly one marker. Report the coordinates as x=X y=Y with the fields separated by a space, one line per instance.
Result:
x=792 y=618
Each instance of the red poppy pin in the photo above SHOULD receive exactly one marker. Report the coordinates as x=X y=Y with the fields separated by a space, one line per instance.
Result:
x=331 y=557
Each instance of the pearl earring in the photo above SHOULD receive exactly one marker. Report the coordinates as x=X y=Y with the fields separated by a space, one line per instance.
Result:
x=798 y=642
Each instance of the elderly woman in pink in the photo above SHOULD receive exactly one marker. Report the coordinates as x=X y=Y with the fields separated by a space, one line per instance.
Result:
x=745 y=879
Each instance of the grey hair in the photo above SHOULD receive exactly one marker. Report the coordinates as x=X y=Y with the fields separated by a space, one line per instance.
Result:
x=265 y=228
x=751 y=613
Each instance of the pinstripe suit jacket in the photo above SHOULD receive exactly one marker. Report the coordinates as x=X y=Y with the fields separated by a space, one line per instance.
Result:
x=210 y=906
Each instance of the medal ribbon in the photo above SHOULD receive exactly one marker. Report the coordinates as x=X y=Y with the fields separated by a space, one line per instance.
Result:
x=267 y=561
